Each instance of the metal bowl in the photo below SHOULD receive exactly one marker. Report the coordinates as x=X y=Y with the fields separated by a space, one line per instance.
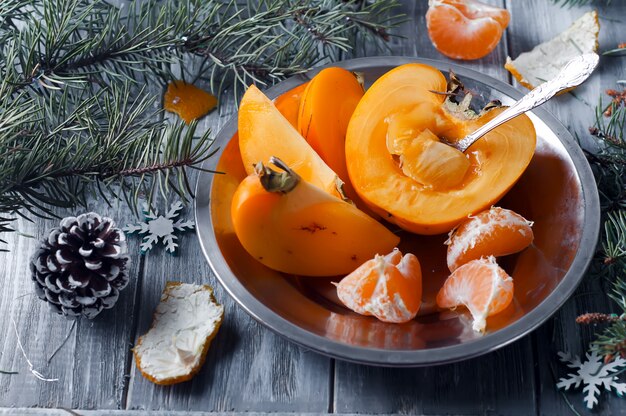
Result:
x=557 y=192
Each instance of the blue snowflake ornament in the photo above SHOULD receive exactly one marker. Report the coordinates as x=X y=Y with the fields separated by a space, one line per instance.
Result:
x=161 y=228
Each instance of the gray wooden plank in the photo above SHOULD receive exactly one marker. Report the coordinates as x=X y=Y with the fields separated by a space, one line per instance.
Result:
x=80 y=412
x=248 y=368
x=498 y=383
x=90 y=366
x=576 y=112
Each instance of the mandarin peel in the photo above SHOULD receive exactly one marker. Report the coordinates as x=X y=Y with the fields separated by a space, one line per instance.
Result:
x=188 y=101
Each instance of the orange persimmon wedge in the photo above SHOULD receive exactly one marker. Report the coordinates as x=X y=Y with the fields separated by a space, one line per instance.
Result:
x=294 y=227
x=325 y=110
x=288 y=103
x=393 y=161
x=326 y=107
x=264 y=132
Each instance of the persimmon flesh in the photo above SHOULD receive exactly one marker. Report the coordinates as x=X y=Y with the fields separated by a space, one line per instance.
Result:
x=408 y=177
x=265 y=132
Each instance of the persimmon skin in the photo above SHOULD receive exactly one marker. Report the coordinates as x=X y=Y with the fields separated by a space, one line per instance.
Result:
x=497 y=160
x=288 y=103
x=264 y=132
x=325 y=110
x=326 y=106
x=305 y=231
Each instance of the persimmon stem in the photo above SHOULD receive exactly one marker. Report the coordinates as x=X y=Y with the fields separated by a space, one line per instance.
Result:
x=272 y=181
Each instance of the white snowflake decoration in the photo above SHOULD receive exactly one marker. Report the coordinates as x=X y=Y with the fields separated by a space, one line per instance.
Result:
x=157 y=227
x=593 y=374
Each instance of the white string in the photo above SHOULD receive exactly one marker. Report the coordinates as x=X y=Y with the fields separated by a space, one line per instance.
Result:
x=36 y=373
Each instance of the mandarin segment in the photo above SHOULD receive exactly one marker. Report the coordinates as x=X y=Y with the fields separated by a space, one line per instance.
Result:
x=481 y=286
x=188 y=101
x=388 y=287
x=465 y=29
x=494 y=232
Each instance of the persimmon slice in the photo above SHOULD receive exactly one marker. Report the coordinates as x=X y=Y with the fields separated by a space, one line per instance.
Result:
x=496 y=161
x=265 y=132
x=291 y=226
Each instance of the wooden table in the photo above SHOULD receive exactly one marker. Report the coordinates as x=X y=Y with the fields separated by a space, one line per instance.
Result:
x=249 y=368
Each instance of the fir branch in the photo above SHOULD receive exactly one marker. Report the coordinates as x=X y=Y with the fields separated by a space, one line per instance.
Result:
x=572 y=3
x=609 y=164
x=76 y=119
x=106 y=145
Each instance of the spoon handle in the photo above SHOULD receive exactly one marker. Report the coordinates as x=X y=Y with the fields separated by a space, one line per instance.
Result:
x=573 y=73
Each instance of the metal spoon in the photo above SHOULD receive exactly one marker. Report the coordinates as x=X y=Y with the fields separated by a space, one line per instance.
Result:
x=573 y=73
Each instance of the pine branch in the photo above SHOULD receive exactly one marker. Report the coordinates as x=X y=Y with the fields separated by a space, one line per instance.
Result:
x=76 y=118
x=609 y=164
x=572 y=3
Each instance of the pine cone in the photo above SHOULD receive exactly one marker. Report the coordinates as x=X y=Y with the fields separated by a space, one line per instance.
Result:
x=82 y=265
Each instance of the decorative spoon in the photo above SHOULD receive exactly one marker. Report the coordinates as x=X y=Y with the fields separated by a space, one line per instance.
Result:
x=573 y=74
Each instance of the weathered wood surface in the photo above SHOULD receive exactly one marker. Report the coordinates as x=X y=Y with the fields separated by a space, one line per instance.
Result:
x=251 y=369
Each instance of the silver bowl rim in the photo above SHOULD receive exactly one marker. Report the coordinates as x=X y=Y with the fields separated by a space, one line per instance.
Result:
x=404 y=358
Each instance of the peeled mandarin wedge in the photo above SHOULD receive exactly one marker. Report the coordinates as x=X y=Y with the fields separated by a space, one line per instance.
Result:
x=388 y=287
x=465 y=29
x=264 y=132
x=494 y=232
x=481 y=286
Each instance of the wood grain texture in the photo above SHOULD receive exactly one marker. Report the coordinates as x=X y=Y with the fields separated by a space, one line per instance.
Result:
x=530 y=26
x=251 y=369
x=498 y=383
x=90 y=366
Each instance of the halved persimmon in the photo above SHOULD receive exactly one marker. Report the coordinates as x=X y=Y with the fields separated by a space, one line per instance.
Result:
x=294 y=227
x=395 y=165
x=265 y=132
